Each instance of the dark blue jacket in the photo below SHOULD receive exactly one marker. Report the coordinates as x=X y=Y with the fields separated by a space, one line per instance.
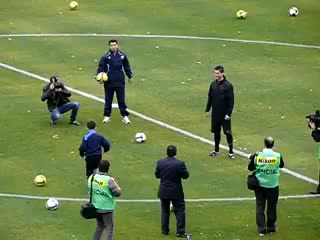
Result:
x=171 y=171
x=115 y=65
x=92 y=144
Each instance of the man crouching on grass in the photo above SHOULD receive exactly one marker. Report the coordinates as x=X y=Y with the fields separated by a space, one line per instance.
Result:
x=57 y=97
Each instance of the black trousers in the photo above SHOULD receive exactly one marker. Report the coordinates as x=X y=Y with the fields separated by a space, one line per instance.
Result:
x=179 y=211
x=120 y=92
x=92 y=163
x=269 y=196
x=216 y=125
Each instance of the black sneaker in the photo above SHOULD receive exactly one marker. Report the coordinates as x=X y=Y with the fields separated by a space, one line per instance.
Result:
x=75 y=123
x=271 y=230
x=181 y=235
x=315 y=192
x=213 y=153
x=165 y=233
x=231 y=156
x=52 y=123
x=262 y=233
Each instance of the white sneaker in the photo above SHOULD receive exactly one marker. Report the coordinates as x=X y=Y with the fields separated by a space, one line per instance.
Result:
x=126 y=120
x=106 y=120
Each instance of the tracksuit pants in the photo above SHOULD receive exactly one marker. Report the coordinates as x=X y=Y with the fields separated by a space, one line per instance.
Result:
x=120 y=93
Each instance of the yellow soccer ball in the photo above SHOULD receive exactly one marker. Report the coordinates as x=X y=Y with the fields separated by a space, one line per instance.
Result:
x=242 y=14
x=40 y=181
x=102 y=77
x=74 y=5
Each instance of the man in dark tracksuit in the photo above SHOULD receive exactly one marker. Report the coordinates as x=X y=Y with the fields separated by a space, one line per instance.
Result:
x=266 y=165
x=221 y=100
x=170 y=171
x=115 y=63
x=91 y=146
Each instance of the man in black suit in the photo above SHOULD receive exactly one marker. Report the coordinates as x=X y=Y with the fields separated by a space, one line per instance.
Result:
x=170 y=171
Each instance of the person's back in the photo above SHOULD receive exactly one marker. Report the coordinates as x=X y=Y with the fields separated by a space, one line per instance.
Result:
x=170 y=171
x=104 y=192
x=91 y=148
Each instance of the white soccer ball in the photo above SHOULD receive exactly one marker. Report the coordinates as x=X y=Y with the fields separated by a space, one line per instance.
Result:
x=52 y=204
x=293 y=12
x=140 y=137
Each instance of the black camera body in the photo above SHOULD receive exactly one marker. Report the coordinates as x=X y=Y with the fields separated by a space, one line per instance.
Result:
x=315 y=118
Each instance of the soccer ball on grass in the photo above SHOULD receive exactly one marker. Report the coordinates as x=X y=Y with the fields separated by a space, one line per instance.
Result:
x=293 y=12
x=40 y=181
x=73 y=5
x=52 y=204
x=140 y=137
x=242 y=14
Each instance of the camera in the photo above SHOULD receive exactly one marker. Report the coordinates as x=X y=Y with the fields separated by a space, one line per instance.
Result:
x=315 y=118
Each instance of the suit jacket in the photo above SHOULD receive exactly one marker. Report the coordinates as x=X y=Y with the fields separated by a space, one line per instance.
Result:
x=171 y=171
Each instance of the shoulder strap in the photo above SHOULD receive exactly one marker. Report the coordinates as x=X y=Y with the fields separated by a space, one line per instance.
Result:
x=91 y=187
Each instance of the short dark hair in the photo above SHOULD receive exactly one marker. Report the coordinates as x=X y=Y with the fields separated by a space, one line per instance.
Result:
x=104 y=166
x=91 y=125
x=219 y=68
x=171 y=151
x=269 y=142
x=53 y=79
x=113 y=41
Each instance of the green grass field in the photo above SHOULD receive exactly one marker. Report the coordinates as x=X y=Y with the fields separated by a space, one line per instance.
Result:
x=269 y=81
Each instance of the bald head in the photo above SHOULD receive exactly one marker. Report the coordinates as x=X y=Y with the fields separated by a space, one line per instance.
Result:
x=269 y=142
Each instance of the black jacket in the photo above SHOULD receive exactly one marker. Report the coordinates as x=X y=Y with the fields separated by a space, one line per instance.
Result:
x=220 y=99
x=55 y=99
x=171 y=171
x=115 y=65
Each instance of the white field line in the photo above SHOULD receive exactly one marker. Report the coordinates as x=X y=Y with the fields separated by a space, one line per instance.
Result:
x=157 y=122
x=17 y=35
x=243 y=199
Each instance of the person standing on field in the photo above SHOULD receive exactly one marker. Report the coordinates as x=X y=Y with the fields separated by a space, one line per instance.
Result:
x=116 y=64
x=266 y=166
x=221 y=100
x=91 y=148
x=170 y=171
x=104 y=192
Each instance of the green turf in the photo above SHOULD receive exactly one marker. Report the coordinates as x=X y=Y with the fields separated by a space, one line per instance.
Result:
x=264 y=76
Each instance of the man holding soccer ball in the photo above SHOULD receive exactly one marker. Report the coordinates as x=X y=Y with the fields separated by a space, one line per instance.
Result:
x=115 y=64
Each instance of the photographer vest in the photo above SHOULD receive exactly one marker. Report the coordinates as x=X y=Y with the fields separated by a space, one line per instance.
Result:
x=268 y=168
x=102 y=197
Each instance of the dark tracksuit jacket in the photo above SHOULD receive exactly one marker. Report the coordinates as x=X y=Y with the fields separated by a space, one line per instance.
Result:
x=116 y=66
x=220 y=99
x=92 y=145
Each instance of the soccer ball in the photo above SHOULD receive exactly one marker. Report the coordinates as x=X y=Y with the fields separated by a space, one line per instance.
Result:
x=102 y=77
x=141 y=137
x=52 y=204
x=242 y=14
x=73 y=5
x=40 y=181
x=293 y=12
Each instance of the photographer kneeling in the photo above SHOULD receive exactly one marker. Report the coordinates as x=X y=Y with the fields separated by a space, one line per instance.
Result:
x=57 y=97
x=314 y=125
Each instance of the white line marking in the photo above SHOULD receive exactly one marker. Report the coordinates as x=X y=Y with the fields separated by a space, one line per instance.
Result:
x=31 y=197
x=157 y=122
x=16 y=35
